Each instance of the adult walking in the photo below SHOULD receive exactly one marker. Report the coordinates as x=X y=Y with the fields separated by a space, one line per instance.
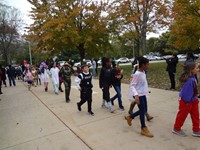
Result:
x=171 y=69
x=3 y=78
x=44 y=75
x=67 y=72
x=55 y=77
x=11 y=75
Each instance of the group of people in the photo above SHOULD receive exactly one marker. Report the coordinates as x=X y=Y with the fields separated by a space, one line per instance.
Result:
x=9 y=72
x=111 y=76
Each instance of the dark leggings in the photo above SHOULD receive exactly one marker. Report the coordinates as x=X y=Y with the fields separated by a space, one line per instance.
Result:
x=86 y=95
x=106 y=94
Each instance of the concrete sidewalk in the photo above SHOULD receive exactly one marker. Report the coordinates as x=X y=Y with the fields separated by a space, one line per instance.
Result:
x=38 y=120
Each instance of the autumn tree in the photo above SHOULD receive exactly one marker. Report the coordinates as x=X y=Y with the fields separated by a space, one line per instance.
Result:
x=69 y=25
x=9 y=25
x=186 y=24
x=141 y=17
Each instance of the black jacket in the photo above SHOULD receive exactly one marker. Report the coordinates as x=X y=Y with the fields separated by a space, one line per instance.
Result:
x=105 y=78
x=11 y=72
x=171 y=64
x=115 y=80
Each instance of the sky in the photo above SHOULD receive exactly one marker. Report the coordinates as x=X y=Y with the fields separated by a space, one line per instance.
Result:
x=25 y=7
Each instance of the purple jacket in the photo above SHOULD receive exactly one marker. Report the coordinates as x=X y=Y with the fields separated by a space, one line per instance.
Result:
x=189 y=91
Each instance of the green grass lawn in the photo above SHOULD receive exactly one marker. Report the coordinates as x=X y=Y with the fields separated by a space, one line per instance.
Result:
x=157 y=75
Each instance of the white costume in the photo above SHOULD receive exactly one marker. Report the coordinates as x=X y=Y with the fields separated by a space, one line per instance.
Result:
x=45 y=76
x=55 y=78
x=55 y=75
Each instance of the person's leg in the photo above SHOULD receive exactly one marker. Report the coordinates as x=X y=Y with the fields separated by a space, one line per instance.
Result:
x=149 y=117
x=132 y=105
x=69 y=87
x=107 y=98
x=195 y=116
x=89 y=101
x=83 y=98
x=119 y=95
x=4 y=82
x=114 y=97
x=184 y=109
x=13 y=80
x=10 y=83
x=60 y=86
x=66 y=91
x=0 y=87
x=172 y=80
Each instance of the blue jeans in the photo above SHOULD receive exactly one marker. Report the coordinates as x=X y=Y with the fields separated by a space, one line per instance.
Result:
x=118 y=95
x=11 y=80
x=142 y=110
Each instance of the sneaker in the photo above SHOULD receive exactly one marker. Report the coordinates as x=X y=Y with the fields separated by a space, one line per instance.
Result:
x=146 y=132
x=149 y=118
x=79 y=107
x=129 y=120
x=122 y=108
x=91 y=113
x=179 y=133
x=196 y=134
x=104 y=106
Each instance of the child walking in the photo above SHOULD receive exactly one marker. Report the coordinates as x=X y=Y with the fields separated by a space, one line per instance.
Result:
x=139 y=89
x=188 y=101
x=28 y=77
x=85 y=85
x=116 y=82
x=66 y=72
x=133 y=103
x=55 y=78
x=105 y=82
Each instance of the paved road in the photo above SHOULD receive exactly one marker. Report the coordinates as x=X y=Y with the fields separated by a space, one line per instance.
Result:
x=43 y=121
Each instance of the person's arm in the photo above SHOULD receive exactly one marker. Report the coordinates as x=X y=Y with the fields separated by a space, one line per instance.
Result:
x=187 y=91
x=78 y=81
x=134 y=83
x=101 y=78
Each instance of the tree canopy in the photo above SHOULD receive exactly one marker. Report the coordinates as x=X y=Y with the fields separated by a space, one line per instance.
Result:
x=186 y=25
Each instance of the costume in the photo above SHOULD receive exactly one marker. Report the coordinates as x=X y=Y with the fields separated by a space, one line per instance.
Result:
x=66 y=76
x=84 y=84
x=55 y=78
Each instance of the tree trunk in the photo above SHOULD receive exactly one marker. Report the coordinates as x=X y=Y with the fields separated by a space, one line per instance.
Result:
x=137 y=41
x=81 y=51
x=144 y=28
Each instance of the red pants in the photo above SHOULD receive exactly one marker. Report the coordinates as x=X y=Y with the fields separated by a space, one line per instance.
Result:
x=184 y=110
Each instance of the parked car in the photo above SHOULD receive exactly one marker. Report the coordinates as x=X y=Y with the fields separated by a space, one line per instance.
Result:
x=181 y=56
x=131 y=59
x=88 y=62
x=158 y=58
x=150 y=57
x=122 y=60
